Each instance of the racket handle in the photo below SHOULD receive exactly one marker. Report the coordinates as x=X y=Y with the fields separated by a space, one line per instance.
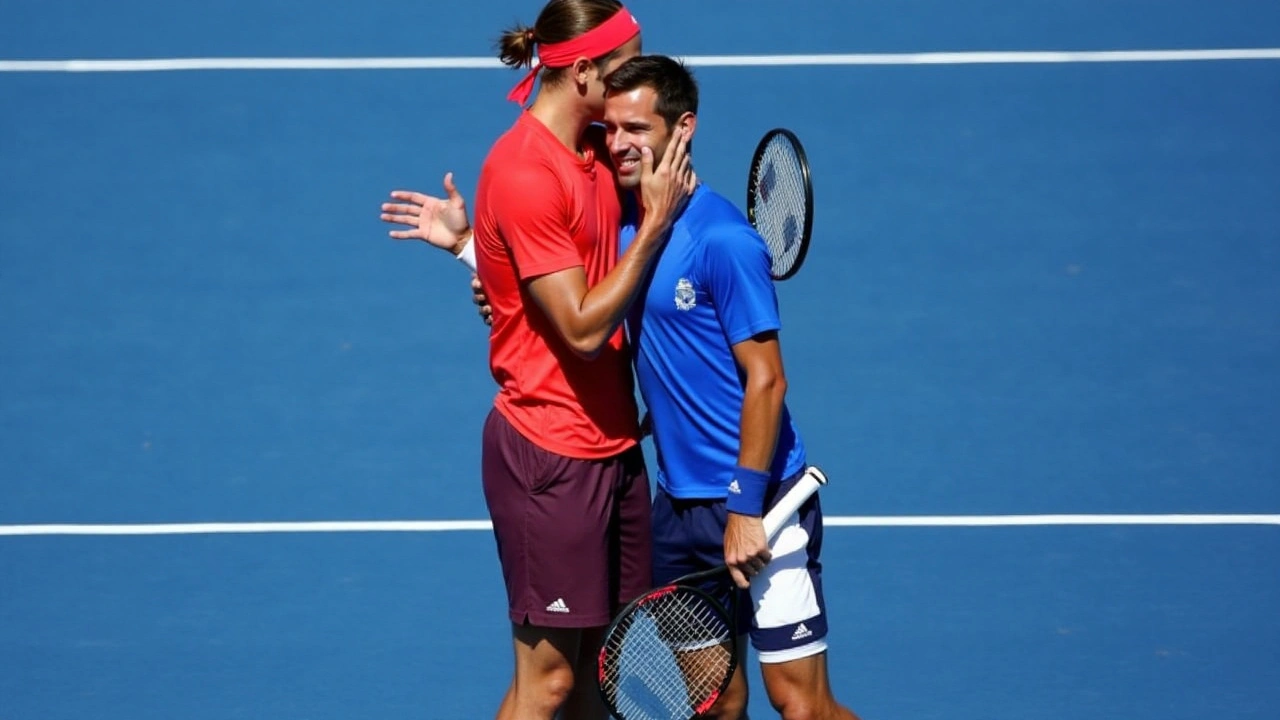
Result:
x=809 y=483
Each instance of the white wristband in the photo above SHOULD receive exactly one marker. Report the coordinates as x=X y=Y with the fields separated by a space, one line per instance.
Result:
x=468 y=255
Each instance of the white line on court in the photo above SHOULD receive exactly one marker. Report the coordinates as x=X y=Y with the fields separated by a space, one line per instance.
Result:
x=486 y=63
x=421 y=526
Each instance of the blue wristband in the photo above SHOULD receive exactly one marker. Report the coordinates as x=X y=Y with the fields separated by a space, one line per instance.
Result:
x=746 y=491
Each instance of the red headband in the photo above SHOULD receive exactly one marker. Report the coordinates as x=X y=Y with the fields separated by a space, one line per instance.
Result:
x=596 y=42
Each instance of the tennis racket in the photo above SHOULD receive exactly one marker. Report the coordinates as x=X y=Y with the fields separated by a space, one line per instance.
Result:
x=780 y=200
x=669 y=654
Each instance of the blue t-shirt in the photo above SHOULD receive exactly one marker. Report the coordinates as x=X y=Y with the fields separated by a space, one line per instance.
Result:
x=710 y=289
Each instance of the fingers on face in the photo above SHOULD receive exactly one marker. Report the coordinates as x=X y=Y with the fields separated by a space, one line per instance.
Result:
x=676 y=142
x=682 y=145
x=671 y=156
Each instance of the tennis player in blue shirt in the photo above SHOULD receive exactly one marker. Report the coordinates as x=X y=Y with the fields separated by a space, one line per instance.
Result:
x=704 y=336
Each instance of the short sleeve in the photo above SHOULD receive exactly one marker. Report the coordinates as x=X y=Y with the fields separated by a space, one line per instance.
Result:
x=531 y=208
x=738 y=278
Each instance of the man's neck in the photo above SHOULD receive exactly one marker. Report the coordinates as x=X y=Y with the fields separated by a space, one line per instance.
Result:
x=564 y=114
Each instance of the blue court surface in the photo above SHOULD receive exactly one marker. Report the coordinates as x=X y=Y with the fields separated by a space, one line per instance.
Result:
x=1036 y=289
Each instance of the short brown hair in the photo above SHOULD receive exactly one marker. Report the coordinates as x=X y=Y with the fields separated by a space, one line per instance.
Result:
x=672 y=82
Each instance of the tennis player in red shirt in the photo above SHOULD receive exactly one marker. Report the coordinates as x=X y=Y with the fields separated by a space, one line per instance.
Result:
x=564 y=477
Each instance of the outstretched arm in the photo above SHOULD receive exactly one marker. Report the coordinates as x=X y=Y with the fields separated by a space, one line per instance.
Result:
x=440 y=222
x=584 y=317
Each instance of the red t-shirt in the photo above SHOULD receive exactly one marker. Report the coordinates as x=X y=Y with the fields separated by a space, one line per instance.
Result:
x=539 y=209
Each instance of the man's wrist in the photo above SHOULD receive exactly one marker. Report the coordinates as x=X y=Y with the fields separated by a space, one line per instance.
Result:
x=460 y=245
x=655 y=227
x=465 y=250
x=746 y=491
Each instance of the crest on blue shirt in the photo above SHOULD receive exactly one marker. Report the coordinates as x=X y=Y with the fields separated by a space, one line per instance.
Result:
x=685 y=299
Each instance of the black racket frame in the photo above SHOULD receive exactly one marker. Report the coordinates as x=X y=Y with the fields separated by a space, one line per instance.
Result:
x=753 y=174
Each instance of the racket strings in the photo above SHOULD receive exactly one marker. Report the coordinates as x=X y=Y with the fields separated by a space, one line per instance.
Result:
x=668 y=659
x=779 y=208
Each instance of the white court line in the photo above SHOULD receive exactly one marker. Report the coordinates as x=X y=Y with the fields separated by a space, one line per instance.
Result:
x=421 y=526
x=486 y=63
x=1034 y=520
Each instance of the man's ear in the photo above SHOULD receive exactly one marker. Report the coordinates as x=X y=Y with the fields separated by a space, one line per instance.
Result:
x=581 y=70
x=688 y=123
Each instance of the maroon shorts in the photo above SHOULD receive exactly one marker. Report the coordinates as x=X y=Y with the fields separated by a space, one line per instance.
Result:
x=573 y=535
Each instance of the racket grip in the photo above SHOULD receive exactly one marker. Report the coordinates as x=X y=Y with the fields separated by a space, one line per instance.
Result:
x=808 y=484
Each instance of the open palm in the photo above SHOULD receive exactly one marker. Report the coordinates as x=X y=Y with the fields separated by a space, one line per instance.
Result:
x=441 y=222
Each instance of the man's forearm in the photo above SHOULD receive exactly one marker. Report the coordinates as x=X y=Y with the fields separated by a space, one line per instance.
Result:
x=761 y=420
x=606 y=304
x=586 y=317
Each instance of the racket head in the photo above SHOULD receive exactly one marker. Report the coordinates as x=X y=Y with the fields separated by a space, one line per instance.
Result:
x=670 y=653
x=780 y=200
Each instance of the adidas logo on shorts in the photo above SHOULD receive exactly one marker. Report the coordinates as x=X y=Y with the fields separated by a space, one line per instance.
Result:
x=558 y=606
x=801 y=632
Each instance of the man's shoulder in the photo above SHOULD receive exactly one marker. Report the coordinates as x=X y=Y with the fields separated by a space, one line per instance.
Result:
x=714 y=218
x=518 y=161
x=519 y=146
x=708 y=207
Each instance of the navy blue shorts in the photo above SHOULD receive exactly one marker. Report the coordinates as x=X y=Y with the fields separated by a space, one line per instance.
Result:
x=784 y=609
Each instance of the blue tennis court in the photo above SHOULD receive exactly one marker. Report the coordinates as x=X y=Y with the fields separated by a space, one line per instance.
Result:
x=1036 y=289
